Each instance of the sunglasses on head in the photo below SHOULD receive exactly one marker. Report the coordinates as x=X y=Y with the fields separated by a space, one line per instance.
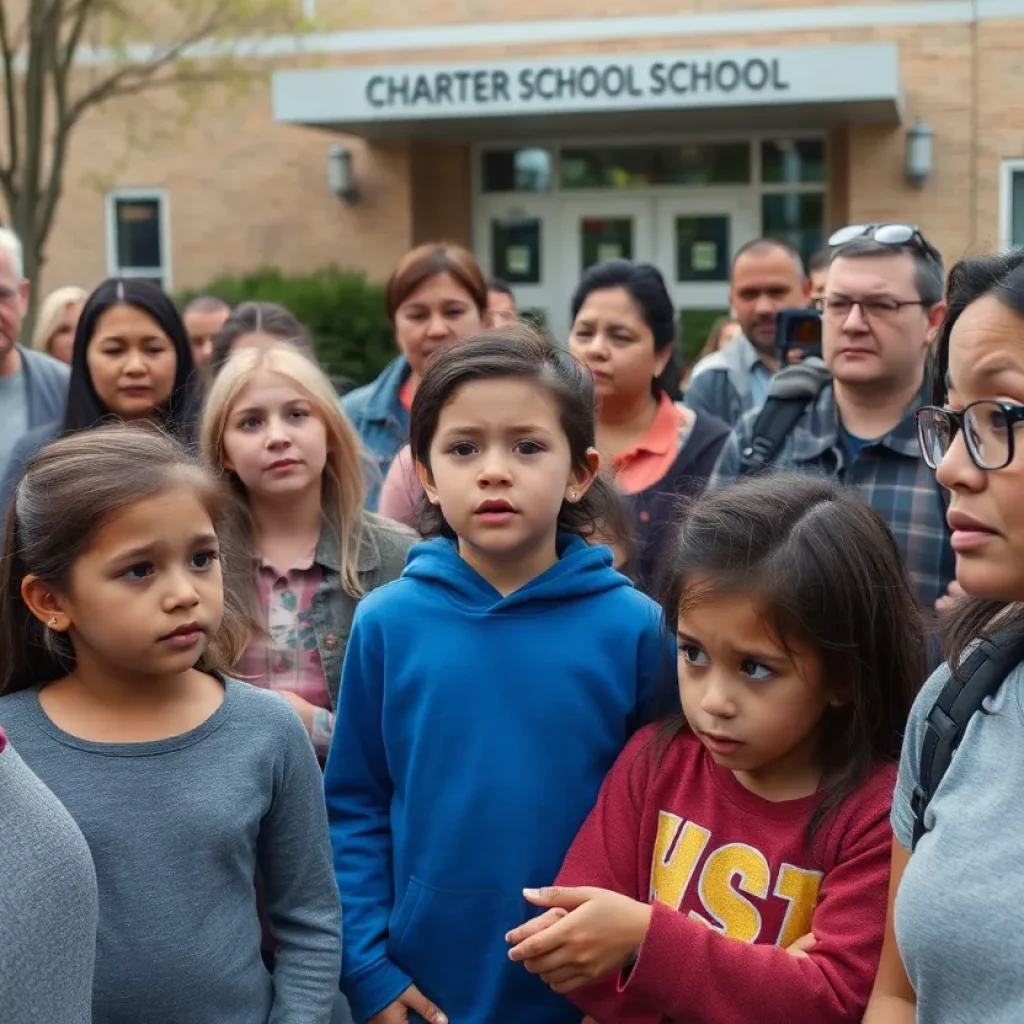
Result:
x=887 y=234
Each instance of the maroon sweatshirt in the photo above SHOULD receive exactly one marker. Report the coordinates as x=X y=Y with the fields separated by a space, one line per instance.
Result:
x=733 y=882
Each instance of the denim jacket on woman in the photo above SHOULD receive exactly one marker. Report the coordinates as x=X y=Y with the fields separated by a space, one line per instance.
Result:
x=381 y=560
x=382 y=422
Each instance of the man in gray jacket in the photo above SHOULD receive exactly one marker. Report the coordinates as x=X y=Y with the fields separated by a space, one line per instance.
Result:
x=33 y=387
x=767 y=275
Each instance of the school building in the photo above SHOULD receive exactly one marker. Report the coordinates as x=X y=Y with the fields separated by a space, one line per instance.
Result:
x=548 y=134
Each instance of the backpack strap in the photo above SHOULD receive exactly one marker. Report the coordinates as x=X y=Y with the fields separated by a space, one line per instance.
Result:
x=792 y=389
x=961 y=698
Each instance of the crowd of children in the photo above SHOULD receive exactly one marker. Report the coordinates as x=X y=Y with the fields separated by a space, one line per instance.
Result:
x=541 y=796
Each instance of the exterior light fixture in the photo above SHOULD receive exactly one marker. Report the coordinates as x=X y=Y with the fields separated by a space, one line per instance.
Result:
x=340 y=175
x=920 y=163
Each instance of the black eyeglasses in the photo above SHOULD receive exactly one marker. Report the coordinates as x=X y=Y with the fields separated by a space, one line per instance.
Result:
x=839 y=307
x=887 y=234
x=987 y=426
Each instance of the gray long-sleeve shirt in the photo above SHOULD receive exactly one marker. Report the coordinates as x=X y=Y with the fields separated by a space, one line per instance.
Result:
x=177 y=829
x=47 y=904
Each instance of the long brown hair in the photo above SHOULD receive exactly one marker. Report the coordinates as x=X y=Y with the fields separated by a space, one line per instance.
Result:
x=66 y=493
x=826 y=571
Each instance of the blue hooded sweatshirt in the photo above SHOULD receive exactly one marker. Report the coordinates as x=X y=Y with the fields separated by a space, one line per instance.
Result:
x=472 y=736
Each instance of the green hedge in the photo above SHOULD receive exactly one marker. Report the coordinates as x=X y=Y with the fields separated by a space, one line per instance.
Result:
x=343 y=311
x=346 y=315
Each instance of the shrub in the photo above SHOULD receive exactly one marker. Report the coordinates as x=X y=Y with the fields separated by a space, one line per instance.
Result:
x=342 y=310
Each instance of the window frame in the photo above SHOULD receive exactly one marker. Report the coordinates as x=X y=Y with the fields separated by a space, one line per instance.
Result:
x=757 y=185
x=1007 y=171
x=160 y=196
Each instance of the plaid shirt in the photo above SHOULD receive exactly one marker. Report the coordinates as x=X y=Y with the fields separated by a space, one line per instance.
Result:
x=888 y=474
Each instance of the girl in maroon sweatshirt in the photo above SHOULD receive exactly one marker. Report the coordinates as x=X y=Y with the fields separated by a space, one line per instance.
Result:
x=735 y=867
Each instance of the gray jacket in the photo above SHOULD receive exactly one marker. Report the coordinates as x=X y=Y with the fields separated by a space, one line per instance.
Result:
x=46 y=392
x=46 y=387
x=722 y=383
x=381 y=560
x=28 y=444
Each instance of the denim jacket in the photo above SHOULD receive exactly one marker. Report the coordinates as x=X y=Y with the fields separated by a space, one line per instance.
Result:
x=381 y=421
x=381 y=560
x=722 y=384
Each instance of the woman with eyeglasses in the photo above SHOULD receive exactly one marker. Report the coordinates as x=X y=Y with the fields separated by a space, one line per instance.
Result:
x=954 y=950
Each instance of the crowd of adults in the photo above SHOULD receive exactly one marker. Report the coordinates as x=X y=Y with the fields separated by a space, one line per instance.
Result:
x=852 y=412
x=125 y=352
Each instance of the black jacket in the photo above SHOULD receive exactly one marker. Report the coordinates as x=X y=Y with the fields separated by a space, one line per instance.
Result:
x=661 y=507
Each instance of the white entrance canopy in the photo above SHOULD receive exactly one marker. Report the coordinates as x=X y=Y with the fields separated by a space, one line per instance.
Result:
x=809 y=87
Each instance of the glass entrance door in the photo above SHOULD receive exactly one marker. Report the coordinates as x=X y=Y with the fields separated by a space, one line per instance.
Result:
x=542 y=245
x=594 y=231
x=516 y=240
x=697 y=239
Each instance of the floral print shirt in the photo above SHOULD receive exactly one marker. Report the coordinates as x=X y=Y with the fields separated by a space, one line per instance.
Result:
x=287 y=658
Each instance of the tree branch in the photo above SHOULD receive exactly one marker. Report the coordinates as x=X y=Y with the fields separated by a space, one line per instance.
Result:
x=78 y=16
x=134 y=78
x=59 y=64
x=7 y=56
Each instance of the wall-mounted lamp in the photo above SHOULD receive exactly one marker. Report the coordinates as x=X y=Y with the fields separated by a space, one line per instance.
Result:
x=919 y=154
x=340 y=175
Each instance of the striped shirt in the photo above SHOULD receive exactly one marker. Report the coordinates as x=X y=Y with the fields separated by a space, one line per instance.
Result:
x=888 y=473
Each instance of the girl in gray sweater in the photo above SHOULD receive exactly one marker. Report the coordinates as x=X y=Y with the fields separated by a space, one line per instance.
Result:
x=116 y=625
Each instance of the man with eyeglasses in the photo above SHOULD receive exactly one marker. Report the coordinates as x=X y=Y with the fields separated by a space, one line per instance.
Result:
x=882 y=306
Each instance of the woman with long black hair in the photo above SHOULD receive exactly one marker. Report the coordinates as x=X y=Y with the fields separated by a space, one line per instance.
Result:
x=953 y=950
x=658 y=451
x=131 y=361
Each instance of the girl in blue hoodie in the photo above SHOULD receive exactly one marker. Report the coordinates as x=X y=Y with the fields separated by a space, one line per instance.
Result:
x=485 y=693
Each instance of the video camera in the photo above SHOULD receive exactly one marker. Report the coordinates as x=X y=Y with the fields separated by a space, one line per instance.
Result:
x=797 y=335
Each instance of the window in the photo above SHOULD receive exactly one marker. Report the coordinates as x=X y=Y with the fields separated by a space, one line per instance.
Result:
x=796 y=217
x=626 y=167
x=516 y=170
x=793 y=161
x=516 y=249
x=1011 y=205
x=137 y=242
x=702 y=249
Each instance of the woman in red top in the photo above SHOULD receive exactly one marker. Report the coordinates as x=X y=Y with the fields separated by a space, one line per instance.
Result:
x=765 y=817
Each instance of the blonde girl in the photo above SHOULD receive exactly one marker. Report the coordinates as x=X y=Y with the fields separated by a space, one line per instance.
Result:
x=58 y=317
x=272 y=426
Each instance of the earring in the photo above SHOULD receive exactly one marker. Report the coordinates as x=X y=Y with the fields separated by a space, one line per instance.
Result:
x=52 y=624
x=572 y=495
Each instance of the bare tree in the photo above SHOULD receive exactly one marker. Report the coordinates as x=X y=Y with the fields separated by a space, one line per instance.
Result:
x=62 y=58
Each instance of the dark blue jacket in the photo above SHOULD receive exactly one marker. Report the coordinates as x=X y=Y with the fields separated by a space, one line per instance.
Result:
x=660 y=508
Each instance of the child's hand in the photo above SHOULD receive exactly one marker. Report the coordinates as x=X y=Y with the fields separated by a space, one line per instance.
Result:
x=535 y=926
x=411 y=999
x=802 y=946
x=601 y=933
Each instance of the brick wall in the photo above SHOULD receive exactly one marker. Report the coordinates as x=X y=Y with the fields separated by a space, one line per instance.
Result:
x=245 y=191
